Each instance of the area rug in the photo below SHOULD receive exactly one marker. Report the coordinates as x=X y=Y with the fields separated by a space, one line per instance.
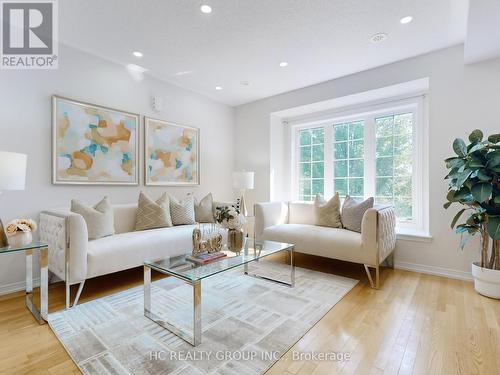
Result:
x=247 y=324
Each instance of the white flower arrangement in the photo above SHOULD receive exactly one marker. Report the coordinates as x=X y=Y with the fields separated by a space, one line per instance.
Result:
x=229 y=217
x=20 y=226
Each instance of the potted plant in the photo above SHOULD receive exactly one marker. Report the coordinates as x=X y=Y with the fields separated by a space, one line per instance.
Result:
x=19 y=232
x=474 y=183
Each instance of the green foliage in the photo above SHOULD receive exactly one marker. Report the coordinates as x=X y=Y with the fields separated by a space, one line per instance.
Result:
x=474 y=182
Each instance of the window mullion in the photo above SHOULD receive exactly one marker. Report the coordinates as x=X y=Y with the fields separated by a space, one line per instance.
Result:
x=328 y=174
x=369 y=156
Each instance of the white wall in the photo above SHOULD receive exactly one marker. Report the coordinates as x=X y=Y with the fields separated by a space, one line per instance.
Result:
x=461 y=98
x=25 y=113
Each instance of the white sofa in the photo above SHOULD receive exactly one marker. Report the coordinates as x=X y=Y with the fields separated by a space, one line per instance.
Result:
x=73 y=258
x=293 y=222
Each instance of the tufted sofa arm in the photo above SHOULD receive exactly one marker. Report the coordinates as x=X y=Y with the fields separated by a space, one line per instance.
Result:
x=378 y=232
x=386 y=232
x=67 y=236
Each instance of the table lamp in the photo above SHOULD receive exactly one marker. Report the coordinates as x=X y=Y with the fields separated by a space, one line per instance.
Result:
x=243 y=181
x=12 y=177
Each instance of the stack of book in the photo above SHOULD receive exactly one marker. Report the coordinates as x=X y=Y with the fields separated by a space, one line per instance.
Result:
x=205 y=258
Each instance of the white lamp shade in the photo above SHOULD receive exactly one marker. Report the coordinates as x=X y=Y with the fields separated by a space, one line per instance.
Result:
x=243 y=180
x=12 y=171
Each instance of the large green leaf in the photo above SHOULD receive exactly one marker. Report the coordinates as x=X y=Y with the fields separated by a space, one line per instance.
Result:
x=479 y=146
x=494 y=138
x=476 y=136
x=481 y=191
x=481 y=174
x=463 y=194
x=494 y=162
x=475 y=164
x=447 y=205
x=494 y=227
x=457 y=216
x=455 y=162
x=459 y=147
x=463 y=176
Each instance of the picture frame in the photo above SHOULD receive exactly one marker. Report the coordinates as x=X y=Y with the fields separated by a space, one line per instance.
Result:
x=171 y=153
x=94 y=144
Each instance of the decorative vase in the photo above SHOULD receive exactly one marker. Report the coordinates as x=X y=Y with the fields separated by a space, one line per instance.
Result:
x=20 y=239
x=486 y=281
x=235 y=240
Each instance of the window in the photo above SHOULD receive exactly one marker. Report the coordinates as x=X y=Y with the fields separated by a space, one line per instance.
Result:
x=393 y=158
x=348 y=156
x=362 y=154
x=311 y=163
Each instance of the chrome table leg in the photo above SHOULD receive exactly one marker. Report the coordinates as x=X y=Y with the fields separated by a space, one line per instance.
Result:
x=42 y=313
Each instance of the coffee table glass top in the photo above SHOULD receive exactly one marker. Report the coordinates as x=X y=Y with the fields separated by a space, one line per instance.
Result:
x=187 y=270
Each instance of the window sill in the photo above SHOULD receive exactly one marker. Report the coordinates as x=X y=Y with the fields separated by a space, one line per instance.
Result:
x=412 y=235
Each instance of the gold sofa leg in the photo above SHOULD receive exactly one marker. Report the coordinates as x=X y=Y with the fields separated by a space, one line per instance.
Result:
x=375 y=285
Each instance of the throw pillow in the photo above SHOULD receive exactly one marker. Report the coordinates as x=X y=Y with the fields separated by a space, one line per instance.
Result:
x=151 y=214
x=327 y=214
x=353 y=212
x=182 y=212
x=100 y=219
x=203 y=210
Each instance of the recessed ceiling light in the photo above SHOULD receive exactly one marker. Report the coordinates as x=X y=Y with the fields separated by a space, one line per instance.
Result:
x=283 y=64
x=137 y=54
x=206 y=9
x=406 y=20
x=379 y=37
x=218 y=87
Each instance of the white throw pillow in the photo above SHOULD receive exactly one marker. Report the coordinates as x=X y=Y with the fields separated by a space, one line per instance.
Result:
x=204 y=209
x=182 y=212
x=100 y=219
x=327 y=214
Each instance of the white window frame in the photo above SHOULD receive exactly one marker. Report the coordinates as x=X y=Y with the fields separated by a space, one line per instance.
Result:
x=415 y=105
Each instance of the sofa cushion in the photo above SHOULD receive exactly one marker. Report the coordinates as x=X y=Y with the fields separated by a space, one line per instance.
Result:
x=182 y=212
x=353 y=212
x=327 y=213
x=151 y=214
x=129 y=250
x=204 y=209
x=327 y=242
x=99 y=219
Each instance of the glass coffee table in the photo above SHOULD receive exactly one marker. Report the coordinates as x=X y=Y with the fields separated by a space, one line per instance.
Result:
x=193 y=274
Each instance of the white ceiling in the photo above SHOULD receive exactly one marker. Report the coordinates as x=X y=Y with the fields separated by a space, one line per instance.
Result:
x=244 y=40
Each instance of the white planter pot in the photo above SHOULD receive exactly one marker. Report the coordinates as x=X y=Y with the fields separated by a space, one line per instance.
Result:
x=486 y=281
x=20 y=239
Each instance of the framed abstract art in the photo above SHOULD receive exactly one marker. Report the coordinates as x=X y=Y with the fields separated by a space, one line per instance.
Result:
x=172 y=153
x=93 y=145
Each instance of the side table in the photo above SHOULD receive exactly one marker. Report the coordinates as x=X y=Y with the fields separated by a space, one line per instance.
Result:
x=41 y=313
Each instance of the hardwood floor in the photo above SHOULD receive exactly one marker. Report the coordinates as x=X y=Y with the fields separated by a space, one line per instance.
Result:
x=415 y=324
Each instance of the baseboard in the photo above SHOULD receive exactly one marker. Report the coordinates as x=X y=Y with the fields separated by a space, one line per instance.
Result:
x=17 y=287
x=433 y=270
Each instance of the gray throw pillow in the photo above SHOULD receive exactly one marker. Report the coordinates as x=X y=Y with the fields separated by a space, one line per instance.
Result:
x=100 y=219
x=151 y=214
x=327 y=214
x=203 y=209
x=353 y=212
x=182 y=212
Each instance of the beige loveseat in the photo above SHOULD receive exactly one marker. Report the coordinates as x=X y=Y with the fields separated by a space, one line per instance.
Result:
x=293 y=222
